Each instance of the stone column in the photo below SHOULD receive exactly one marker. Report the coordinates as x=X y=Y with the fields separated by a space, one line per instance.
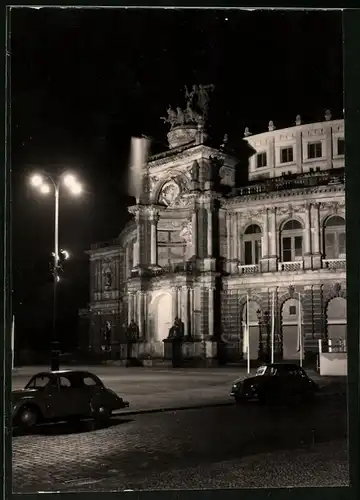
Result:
x=154 y=255
x=228 y=233
x=235 y=236
x=145 y=316
x=210 y=232
x=175 y=306
x=179 y=302
x=127 y=262
x=307 y=238
x=138 y=239
x=130 y=306
x=211 y=312
x=185 y=293
x=316 y=264
x=194 y=231
x=264 y=263
x=307 y=235
x=273 y=232
x=240 y=240
x=140 y=315
x=272 y=243
x=265 y=238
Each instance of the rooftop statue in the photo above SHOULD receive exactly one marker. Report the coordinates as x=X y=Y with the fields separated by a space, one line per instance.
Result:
x=196 y=110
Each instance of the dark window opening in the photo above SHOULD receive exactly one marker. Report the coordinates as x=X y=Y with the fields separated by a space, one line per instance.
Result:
x=286 y=155
x=314 y=150
x=261 y=160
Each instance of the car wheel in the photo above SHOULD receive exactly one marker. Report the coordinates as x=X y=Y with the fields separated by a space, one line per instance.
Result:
x=102 y=413
x=28 y=417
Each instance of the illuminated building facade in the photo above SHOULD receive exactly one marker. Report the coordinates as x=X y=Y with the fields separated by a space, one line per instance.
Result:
x=198 y=246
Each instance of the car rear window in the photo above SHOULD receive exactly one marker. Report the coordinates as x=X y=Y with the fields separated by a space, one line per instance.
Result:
x=89 y=381
x=261 y=370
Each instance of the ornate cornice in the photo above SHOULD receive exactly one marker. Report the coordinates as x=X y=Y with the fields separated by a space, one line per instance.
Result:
x=189 y=153
x=276 y=195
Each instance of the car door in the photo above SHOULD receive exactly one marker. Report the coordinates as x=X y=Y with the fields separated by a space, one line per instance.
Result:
x=94 y=389
x=63 y=398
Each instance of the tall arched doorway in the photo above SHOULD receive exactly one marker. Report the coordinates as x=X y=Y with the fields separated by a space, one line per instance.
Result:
x=254 y=329
x=160 y=317
x=336 y=318
x=290 y=319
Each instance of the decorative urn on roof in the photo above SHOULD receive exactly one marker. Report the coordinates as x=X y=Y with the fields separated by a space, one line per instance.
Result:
x=186 y=124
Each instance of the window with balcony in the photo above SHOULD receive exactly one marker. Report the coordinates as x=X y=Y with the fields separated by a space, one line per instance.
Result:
x=286 y=155
x=314 y=150
x=261 y=160
x=291 y=241
x=252 y=245
x=335 y=238
x=340 y=146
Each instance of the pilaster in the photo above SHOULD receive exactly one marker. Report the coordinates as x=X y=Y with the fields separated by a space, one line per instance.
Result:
x=316 y=235
x=273 y=258
x=307 y=238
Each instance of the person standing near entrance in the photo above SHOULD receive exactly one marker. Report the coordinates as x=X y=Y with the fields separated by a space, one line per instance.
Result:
x=132 y=336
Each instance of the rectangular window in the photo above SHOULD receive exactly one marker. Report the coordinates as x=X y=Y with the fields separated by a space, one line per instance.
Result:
x=292 y=310
x=257 y=251
x=261 y=160
x=342 y=244
x=286 y=250
x=340 y=146
x=286 y=155
x=314 y=150
x=298 y=246
x=248 y=253
x=330 y=246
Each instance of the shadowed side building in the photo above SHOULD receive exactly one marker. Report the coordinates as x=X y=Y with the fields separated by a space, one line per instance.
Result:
x=200 y=248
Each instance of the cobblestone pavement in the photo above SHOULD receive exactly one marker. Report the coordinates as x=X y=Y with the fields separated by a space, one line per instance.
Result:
x=229 y=446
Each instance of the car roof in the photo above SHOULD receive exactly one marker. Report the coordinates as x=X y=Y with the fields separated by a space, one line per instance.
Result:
x=283 y=365
x=65 y=372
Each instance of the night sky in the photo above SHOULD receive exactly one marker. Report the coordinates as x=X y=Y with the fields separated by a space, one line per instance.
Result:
x=83 y=81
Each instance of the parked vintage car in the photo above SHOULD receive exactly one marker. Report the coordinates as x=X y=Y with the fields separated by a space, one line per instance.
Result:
x=63 y=395
x=274 y=383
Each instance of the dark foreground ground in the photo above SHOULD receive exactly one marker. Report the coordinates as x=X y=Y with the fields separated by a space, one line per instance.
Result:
x=220 y=447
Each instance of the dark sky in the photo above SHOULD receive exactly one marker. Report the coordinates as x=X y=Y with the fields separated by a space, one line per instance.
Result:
x=83 y=81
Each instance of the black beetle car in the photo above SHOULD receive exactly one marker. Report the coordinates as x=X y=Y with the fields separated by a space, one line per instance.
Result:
x=63 y=395
x=274 y=383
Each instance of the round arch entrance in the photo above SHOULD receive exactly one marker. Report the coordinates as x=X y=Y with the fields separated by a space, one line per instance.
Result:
x=290 y=318
x=254 y=330
x=336 y=319
x=160 y=317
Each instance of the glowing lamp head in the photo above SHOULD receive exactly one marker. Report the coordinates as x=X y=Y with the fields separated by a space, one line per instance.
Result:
x=44 y=188
x=36 y=180
x=65 y=254
x=76 y=189
x=70 y=181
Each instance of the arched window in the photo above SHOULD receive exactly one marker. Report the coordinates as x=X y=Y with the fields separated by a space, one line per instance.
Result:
x=334 y=238
x=291 y=241
x=252 y=245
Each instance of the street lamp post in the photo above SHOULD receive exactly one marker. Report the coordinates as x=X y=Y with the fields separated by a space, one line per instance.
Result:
x=39 y=181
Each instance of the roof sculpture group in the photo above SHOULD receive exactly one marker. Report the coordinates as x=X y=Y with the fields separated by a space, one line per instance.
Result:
x=196 y=110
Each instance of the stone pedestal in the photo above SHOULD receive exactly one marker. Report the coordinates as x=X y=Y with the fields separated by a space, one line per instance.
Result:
x=264 y=265
x=316 y=261
x=273 y=263
x=308 y=261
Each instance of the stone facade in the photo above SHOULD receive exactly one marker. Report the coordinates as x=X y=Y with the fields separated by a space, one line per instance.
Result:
x=198 y=246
